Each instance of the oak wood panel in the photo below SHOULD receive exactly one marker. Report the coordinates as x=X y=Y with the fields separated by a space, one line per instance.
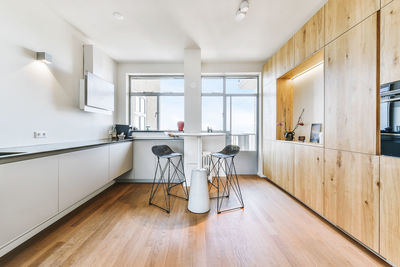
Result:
x=390 y=43
x=352 y=194
x=269 y=111
x=351 y=89
x=309 y=176
x=269 y=159
x=390 y=209
x=284 y=106
x=310 y=38
x=284 y=58
x=310 y=62
x=385 y=2
x=284 y=166
x=269 y=71
x=341 y=15
x=119 y=228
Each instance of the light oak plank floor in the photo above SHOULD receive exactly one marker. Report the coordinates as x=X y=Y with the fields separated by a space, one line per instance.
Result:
x=119 y=228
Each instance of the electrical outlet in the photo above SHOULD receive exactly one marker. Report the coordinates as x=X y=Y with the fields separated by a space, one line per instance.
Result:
x=40 y=134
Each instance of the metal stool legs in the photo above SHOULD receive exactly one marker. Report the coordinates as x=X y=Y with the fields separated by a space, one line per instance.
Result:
x=166 y=182
x=224 y=186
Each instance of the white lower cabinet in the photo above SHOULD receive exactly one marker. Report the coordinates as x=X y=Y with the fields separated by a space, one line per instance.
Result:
x=81 y=173
x=35 y=192
x=28 y=195
x=121 y=159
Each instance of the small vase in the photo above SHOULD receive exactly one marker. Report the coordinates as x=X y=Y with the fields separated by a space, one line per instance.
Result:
x=181 y=124
x=289 y=136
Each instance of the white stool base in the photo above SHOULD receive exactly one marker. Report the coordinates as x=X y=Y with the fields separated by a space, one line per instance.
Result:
x=199 y=199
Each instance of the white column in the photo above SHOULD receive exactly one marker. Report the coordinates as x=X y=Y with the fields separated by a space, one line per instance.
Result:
x=192 y=72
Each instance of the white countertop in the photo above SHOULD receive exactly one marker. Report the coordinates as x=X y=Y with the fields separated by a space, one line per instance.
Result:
x=196 y=134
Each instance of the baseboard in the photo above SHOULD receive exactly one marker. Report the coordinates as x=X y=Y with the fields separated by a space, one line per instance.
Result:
x=135 y=181
x=34 y=231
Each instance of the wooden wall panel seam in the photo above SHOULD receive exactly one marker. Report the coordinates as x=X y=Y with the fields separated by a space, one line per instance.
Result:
x=373 y=14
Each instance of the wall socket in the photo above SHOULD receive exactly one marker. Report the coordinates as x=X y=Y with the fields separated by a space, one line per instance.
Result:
x=40 y=134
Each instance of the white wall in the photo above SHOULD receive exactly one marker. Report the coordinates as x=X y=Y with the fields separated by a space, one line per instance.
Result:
x=308 y=93
x=35 y=96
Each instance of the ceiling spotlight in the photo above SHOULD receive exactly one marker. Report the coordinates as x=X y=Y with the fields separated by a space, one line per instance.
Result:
x=244 y=6
x=242 y=11
x=118 y=16
x=240 y=15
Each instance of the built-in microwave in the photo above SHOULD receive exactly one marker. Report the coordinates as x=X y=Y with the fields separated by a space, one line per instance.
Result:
x=390 y=119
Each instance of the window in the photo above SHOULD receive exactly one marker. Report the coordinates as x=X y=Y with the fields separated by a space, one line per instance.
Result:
x=229 y=104
x=156 y=103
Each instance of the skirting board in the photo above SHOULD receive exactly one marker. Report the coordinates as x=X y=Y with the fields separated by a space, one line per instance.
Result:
x=30 y=233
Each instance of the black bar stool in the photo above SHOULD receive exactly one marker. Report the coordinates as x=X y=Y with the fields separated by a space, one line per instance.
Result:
x=224 y=160
x=165 y=180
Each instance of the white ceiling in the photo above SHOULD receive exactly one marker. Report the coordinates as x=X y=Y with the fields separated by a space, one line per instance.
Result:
x=159 y=30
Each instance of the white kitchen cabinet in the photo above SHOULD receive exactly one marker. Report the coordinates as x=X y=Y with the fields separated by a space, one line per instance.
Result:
x=121 y=159
x=81 y=173
x=144 y=161
x=28 y=195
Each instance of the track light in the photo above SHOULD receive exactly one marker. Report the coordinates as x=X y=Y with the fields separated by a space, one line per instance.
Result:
x=242 y=11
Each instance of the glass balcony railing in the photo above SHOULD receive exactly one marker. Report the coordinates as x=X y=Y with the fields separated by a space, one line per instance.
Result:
x=246 y=141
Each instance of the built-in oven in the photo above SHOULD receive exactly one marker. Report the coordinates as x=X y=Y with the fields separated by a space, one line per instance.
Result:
x=390 y=119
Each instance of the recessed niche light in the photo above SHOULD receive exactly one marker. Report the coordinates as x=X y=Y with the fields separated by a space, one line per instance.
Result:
x=118 y=16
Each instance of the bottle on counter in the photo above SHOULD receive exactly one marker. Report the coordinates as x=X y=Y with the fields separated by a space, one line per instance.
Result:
x=114 y=133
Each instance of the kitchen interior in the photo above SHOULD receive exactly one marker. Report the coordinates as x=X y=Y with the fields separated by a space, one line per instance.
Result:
x=148 y=128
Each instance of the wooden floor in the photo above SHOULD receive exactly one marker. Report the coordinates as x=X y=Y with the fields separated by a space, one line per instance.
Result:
x=119 y=228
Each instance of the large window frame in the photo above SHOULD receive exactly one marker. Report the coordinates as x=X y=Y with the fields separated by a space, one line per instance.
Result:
x=152 y=94
x=226 y=95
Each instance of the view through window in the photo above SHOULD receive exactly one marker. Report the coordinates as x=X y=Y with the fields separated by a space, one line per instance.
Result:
x=229 y=104
x=156 y=102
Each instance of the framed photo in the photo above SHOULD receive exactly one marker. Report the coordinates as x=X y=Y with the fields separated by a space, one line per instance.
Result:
x=315 y=131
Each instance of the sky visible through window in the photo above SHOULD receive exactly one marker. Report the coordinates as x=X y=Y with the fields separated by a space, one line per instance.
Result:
x=243 y=107
x=171 y=108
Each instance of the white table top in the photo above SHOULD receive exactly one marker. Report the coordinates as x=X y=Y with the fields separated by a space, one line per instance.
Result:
x=196 y=134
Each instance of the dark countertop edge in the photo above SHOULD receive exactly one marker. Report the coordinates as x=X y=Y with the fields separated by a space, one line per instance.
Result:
x=46 y=150
x=58 y=148
x=156 y=139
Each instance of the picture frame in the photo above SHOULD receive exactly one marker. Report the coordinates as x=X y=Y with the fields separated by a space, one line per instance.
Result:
x=315 y=132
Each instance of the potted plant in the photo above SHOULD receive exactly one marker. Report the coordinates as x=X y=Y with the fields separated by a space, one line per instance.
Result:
x=289 y=135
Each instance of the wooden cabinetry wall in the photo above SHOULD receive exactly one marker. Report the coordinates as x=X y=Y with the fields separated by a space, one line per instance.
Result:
x=390 y=43
x=390 y=209
x=351 y=89
x=345 y=180
x=310 y=38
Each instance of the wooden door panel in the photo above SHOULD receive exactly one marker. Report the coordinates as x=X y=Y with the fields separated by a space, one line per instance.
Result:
x=390 y=209
x=352 y=194
x=309 y=176
x=341 y=15
x=310 y=38
x=351 y=90
x=390 y=43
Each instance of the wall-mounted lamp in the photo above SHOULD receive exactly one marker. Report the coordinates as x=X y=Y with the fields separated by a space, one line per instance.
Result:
x=44 y=57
